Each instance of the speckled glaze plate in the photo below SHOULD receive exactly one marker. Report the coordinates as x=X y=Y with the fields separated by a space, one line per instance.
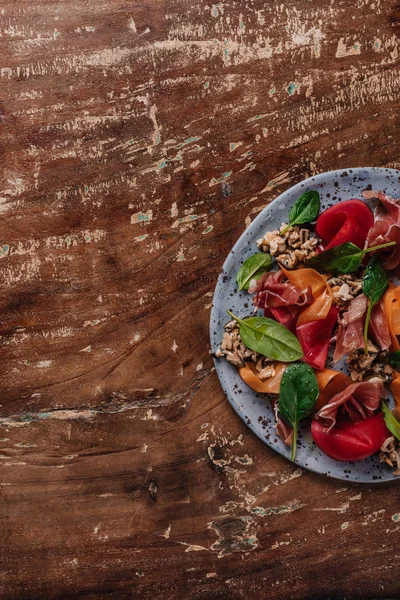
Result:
x=253 y=408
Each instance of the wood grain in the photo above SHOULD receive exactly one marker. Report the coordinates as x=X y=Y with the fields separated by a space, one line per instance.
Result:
x=138 y=140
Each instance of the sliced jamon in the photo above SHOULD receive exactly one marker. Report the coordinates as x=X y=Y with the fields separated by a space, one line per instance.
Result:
x=386 y=228
x=315 y=337
x=364 y=398
x=273 y=293
x=378 y=327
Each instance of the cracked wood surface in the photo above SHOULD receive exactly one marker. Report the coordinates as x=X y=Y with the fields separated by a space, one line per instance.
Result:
x=138 y=140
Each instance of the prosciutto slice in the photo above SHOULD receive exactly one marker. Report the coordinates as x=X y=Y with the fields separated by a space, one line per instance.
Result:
x=360 y=400
x=272 y=292
x=286 y=315
x=284 y=431
x=378 y=327
x=350 y=334
x=350 y=331
x=386 y=227
x=315 y=338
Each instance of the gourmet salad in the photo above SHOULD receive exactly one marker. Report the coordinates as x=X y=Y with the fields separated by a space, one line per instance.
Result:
x=325 y=286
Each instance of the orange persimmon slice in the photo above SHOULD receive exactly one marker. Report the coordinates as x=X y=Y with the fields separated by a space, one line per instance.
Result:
x=318 y=310
x=391 y=307
x=271 y=385
x=302 y=278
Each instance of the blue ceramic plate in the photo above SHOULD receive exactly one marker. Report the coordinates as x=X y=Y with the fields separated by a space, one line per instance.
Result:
x=253 y=408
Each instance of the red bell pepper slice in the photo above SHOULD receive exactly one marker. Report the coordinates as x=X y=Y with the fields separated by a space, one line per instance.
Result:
x=351 y=441
x=347 y=221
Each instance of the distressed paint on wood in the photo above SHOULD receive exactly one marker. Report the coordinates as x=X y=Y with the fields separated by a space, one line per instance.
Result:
x=137 y=142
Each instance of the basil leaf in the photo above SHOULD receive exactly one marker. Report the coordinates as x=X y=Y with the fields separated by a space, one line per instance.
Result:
x=269 y=338
x=304 y=210
x=374 y=285
x=297 y=396
x=253 y=268
x=391 y=422
x=345 y=258
x=393 y=359
x=375 y=281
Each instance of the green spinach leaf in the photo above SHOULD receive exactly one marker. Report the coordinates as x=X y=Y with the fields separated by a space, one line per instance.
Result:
x=391 y=422
x=269 y=338
x=393 y=359
x=297 y=396
x=374 y=285
x=304 y=210
x=253 y=268
x=345 y=258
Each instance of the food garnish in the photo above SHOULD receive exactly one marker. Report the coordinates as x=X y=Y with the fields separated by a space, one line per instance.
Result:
x=320 y=304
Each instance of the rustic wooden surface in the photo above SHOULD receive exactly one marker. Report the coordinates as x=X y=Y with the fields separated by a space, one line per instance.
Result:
x=137 y=142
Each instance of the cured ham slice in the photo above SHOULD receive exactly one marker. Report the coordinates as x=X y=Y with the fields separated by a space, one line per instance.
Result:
x=350 y=334
x=272 y=292
x=284 y=431
x=364 y=398
x=386 y=228
x=315 y=337
x=378 y=327
x=347 y=221
x=286 y=315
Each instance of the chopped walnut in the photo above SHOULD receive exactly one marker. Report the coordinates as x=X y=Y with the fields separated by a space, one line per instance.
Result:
x=344 y=288
x=389 y=454
x=290 y=248
x=373 y=364
x=238 y=354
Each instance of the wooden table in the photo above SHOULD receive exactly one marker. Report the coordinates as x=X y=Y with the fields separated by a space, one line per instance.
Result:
x=138 y=140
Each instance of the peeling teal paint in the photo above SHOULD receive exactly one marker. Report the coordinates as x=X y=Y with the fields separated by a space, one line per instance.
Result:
x=241 y=24
x=143 y=217
x=207 y=230
x=189 y=140
x=161 y=165
x=396 y=517
x=233 y=146
x=226 y=55
x=4 y=250
x=206 y=85
x=252 y=541
x=86 y=188
x=216 y=10
x=291 y=88
x=272 y=91
x=189 y=217
x=223 y=177
x=275 y=510
x=356 y=46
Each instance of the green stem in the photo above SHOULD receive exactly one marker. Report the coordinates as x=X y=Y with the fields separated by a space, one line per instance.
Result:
x=286 y=229
x=378 y=247
x=294 y=441
x=230 y=313
x=366 y=325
